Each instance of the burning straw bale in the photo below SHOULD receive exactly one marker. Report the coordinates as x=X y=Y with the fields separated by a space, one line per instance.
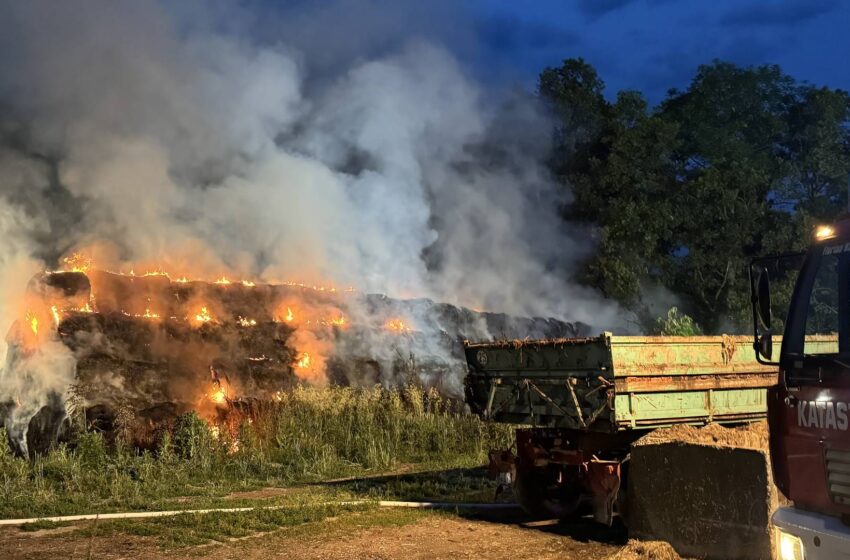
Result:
x=163 y=347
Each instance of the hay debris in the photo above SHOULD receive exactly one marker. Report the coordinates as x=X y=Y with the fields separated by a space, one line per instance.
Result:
x=646 y=550
x=753 y=435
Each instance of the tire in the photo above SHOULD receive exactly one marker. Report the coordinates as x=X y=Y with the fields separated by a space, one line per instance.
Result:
x=539 y=492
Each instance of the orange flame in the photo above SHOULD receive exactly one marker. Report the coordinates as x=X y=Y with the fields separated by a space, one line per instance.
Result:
x=56 y=317
x=397 y=325
x=289 y=315
x=219 y=395
x=33 y=322
x=223 y=280
x=77 y=262
x=303 y=361
x=247 y=322
x=203 y=316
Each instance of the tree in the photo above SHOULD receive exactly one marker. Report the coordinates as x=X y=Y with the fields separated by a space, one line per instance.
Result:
x=739 y=164
x=816 y=154
x=574 y=94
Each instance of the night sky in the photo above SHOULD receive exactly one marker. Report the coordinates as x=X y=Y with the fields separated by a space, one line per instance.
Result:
x=653 y=45
x=649 y=45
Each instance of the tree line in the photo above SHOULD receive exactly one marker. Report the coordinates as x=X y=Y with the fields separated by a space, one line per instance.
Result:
x=742 y=163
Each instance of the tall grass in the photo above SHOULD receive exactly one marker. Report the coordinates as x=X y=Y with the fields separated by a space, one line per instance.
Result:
x=311 y=434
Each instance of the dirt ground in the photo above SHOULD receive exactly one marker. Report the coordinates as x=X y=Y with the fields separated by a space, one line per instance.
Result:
x=356 y=536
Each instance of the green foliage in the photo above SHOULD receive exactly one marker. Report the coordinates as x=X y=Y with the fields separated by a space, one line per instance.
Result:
x=193 y=530
x=676 y=324
x=741 y=163
x=91 y=450
x=310 y=435
x=5 y=450
x=192 y=439
x=41 y=525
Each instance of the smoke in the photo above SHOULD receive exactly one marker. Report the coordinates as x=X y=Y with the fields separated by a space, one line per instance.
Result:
x=211 y=141
x=29 y=378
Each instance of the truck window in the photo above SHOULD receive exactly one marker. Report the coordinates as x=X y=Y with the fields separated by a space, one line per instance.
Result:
x=823 y=315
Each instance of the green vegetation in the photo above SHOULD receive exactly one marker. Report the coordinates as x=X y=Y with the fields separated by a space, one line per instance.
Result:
x=192 y=529
x=676 y=324
x=42 y=525
x=458 y=485
x=740 y=164
x=271 y=526
x=311 y=435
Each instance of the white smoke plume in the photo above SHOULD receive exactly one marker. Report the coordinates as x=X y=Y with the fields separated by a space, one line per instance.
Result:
x=173 y=135
x=48 y=371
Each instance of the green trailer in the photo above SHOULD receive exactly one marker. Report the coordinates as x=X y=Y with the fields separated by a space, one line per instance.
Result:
x=585 y=400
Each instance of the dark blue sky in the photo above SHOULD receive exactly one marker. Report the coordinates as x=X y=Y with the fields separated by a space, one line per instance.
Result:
x=653 y=45
x=649 y=45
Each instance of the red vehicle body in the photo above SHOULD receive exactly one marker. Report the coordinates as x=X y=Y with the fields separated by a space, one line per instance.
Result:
x=809 y=409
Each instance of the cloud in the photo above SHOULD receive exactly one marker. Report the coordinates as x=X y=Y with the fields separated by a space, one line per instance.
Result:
x=788 y=13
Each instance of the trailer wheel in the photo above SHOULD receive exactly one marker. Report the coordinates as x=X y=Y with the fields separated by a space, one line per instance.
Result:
x=548 y=492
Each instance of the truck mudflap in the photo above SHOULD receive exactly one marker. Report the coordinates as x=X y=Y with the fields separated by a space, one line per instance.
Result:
x=552 y=476
x=812 y=536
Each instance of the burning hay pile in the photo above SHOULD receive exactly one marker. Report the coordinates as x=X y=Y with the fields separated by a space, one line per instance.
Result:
x=159 y=346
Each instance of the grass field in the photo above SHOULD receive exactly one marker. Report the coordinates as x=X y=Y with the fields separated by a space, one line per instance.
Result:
x=310 y=436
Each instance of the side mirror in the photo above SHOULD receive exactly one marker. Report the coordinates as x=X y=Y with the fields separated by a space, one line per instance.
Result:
x=764 y=300
x=765 y=345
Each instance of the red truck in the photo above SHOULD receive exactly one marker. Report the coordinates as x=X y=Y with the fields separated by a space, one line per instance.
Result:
x=809 y=408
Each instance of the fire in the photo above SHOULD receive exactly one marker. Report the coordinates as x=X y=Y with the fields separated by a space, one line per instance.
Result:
x=303 y=361
x=219 y=395
x=313 y=287
x=77 y=262
x=397 y=325
x=32 y=320
x=320 y=318
x=203 y=316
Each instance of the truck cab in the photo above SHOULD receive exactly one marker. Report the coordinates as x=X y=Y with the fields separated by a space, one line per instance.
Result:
x=809 y=408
